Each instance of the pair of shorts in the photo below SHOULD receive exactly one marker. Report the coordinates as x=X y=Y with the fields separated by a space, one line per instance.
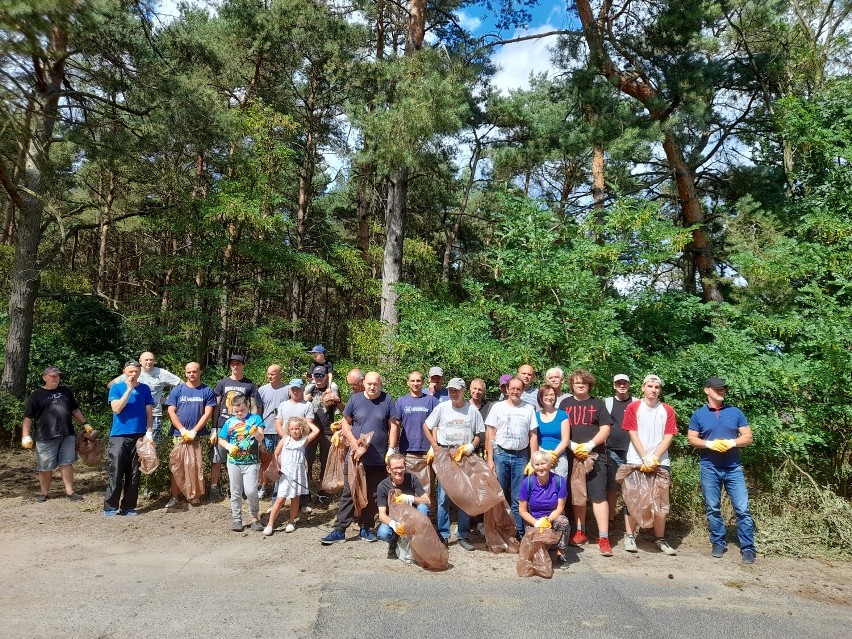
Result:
x=596 y=479
x=615 y=459
x=56 y=451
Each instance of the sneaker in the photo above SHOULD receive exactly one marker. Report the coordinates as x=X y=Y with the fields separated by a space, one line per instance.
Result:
x=604 y=546
x=290 y=528
x=237 y=526
x=334 y=537
x=367 y=535
x=749 y=556
x=664 y=547
x=718 y=551
x=130 y=512
x=256 y=526
x=267 y=532
x=306 y=510
x=171 y=503
x=261 y=492
x=215 y=495
x=561 y=557
x=465 y=544
x=41 y=499
x=579 y=538
x=75 y=497
x=391 y=551
x=630 y=543
x=111 y=512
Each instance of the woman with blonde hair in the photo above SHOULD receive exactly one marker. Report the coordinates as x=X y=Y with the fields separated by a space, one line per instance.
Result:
x=541 y=502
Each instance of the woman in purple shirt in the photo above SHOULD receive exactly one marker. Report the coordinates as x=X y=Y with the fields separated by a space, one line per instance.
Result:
x=541 y=502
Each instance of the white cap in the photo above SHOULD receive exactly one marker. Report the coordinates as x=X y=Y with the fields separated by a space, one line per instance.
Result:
x=619 y=377
x=436 y=370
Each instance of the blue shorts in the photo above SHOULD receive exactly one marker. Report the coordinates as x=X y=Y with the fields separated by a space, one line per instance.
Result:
x=614 y=460
x=56 y=451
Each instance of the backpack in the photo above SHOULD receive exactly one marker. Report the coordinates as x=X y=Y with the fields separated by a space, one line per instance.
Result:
x=559 y=480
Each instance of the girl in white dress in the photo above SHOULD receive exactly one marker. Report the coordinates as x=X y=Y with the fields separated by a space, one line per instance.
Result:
x=293 y=477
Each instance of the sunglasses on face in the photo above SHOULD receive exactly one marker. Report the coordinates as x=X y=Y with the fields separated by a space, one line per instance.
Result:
x=319 y=375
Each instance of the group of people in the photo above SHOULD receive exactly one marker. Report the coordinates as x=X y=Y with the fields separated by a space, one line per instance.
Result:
x=530 y=438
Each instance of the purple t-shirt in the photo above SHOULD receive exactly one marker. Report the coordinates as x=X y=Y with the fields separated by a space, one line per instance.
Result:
x=412 y=412
x=543 y=499
x=372 y=416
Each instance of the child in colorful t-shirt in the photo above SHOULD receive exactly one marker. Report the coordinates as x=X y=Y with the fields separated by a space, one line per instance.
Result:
x=240 y=436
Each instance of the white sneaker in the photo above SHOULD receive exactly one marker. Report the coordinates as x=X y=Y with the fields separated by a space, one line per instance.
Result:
x=290 y=528
x=173 y=502
x=630 y=543
x=267 y=532
x=664 y=547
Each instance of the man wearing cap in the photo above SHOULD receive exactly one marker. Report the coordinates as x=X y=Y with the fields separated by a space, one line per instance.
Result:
x=718 y=430
x=190 y=407
x=271 y=395
x=651 y=427
x=132 y=417
x=319 y=358
x=47 y=426
x=225 y=389
x=412 y=410
x=323 y=396
x=436 y=384
x=454 y=424
x=504 y=386
x=295 y=406
x=373 y=411
x=618 y=441
x=526 y=374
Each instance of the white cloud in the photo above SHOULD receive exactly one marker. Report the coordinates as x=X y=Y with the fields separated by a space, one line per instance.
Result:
x=468 y=22
x=519 y=59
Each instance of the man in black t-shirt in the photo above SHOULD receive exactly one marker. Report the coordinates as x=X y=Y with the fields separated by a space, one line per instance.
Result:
x=619 y=440
x=413 y=494
x=47 y=425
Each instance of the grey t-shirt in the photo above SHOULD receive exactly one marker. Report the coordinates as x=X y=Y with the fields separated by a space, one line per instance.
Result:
x=271 y=398
x=456 y=426
x=156 y=380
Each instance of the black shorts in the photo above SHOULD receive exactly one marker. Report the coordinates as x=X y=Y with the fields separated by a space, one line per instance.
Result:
x=597 y=479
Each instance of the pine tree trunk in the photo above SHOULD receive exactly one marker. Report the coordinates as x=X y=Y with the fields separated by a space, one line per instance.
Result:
x=394 y=239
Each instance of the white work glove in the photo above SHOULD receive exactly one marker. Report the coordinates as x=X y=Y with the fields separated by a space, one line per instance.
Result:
x=395 y=526
x=188 y=435
x=149 y=435
x=573 y=447
x=390 y=452
x=26 y=442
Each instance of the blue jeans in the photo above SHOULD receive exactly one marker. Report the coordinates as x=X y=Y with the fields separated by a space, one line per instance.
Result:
x=444 y=504
x=386 y=533
x=509 y=466
x=732 y=478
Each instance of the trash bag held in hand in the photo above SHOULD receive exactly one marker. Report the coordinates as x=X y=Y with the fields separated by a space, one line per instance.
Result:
x=579 y=469
x=89 y=449
x=646 y=495
x=470 y=484
x=332 y=480
x=500 y=532
x=423 y=541
x=187 y=469
x=147 y=452
x=420 y=469
x=534 y=560
x=273 y=469
x=358 y=475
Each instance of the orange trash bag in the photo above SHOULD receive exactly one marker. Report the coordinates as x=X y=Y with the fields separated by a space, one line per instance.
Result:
x=646 y=495
x=147 y=452
x=470 y=484
x=533 y=559
x=357 y=474
x=332 y=480
x=187 y=469
x=500 y=532
x=273 y=469
x=420 y=469
x=89 y=449
x=579 y=469
x=423 y=541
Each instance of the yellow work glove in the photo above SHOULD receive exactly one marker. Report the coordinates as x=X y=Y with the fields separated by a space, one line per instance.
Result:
x=542 y=522
x=397 y=527
x=335 y=440
x=87 y=428
x=528 y=469
x=581 y=451
x=650 y=463
x=430 y=455
x=463 y=451
x=405 y=499
x=336 y=426
x=214 y=437
x=234 y=450
x=553 y=457
x=722 y=445
x=27 y=442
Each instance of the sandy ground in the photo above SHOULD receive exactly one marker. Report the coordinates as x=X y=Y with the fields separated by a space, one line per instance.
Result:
x=172 y=573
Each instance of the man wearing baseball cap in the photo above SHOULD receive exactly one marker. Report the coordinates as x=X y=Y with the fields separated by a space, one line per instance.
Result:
x=718 y=430
x=47 y=426
x=319 y=357
x=619 y=440
x=436 y=384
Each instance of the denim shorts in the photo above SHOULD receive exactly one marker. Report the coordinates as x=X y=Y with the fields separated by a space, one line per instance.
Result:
x=56 y=451
x=614 y=460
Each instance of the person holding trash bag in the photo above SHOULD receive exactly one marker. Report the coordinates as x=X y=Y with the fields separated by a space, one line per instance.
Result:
x=454 y=424
x=132 y=417
x=47 y=426
x=541 y=501
x=413 y=493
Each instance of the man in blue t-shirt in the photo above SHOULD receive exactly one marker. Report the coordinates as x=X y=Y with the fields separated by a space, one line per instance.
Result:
x=412 y=410
x=189 y=406
x=132 y=417
x=718 y=431
x=372 y=411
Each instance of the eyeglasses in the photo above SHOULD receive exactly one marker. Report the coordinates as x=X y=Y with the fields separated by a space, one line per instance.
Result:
x=319 y=375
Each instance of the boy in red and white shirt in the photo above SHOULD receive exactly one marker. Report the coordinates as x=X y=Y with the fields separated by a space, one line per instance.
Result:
x=651 y=425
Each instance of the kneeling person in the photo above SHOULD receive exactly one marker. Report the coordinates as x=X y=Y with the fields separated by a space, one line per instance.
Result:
x=412 y=493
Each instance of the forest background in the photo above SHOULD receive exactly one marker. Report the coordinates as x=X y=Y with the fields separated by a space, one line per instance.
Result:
x=258 y=176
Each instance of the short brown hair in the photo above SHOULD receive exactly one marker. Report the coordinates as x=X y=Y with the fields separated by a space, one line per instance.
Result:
x=583 y=376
